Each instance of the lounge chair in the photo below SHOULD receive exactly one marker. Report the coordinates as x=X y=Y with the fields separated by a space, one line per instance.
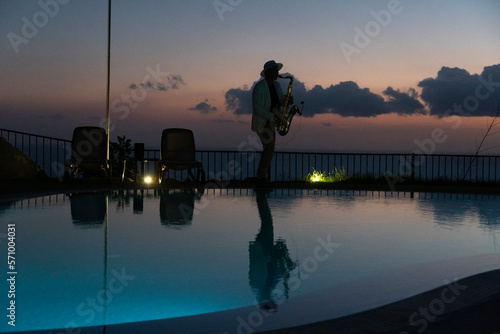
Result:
x=178 y=153
x=88 y=152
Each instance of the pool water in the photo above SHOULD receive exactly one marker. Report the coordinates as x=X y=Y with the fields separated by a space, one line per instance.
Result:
x=89 y=259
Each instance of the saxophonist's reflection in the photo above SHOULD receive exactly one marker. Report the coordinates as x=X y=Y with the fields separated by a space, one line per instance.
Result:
x=269 y=261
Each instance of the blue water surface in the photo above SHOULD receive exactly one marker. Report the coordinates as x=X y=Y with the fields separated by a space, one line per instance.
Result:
x=88 y=259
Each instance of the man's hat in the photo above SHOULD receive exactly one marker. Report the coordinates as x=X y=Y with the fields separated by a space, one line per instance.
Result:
x=270 y=64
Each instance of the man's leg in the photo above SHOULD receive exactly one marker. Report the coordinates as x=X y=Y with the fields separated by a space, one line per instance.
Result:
x=268 y=140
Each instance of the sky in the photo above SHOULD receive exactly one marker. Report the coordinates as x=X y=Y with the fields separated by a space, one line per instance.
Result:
x=375 y=76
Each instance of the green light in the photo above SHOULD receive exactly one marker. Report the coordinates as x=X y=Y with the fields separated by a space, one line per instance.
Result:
x=336 y=176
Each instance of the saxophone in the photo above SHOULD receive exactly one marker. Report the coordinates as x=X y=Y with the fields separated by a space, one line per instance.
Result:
x=283 y=127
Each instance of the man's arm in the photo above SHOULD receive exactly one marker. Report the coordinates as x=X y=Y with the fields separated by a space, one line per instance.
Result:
x=259 y=102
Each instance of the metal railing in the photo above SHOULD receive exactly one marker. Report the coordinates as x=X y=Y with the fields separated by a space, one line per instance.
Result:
x=394 y=168
x=51 y=153
x=43 y=150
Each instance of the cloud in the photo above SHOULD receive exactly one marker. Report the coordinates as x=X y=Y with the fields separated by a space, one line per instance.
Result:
x=204 y=108
x=344 y=99
x=403 y=103
x=239 y=100
x=173 y=81
x=454 y=91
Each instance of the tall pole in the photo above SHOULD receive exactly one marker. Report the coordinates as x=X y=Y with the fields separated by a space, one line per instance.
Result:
x=109 y=169
x=105 y=288
x=107 y=86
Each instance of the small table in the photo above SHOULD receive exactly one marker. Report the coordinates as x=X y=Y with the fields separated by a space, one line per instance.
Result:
x=139 y=158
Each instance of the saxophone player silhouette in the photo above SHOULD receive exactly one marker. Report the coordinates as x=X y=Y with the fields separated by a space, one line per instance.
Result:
x=270 y=261
x=270 y=112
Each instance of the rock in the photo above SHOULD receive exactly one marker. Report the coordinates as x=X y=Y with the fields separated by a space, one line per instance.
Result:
x=14 y=164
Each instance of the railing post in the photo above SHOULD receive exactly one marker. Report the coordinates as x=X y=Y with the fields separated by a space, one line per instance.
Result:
x=412 y=166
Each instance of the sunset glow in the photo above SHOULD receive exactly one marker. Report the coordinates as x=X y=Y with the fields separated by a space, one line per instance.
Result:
x=373 y=75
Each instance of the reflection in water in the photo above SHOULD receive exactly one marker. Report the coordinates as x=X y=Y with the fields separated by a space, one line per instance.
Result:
x=138 y=201
x=5 y=205
x=177 y=207
x=489 y=215
x=81 y=264
x=269 y=261
x=453 y=210
x=88 y=210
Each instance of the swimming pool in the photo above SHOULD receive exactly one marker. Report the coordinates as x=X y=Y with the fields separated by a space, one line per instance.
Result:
x=229 y=261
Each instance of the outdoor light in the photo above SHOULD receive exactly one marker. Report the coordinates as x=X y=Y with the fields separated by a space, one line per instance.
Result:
x=148 y=179
x=336 y=176
x=317 y=177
